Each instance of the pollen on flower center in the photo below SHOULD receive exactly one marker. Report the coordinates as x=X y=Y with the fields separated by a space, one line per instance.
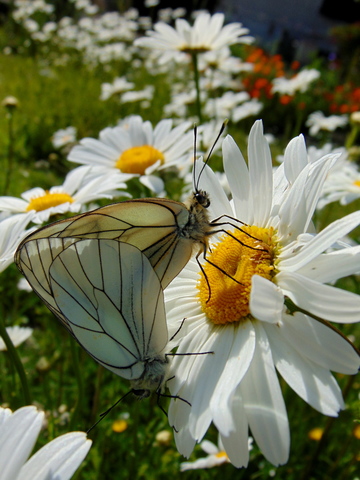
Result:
x=357 y=183
x=48 y=200
x=138 y=159
x=234 y=260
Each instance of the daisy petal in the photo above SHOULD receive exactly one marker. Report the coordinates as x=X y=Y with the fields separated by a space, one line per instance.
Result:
x=241 y=353
x=237 y=175
x=311 y=382
x=331 y=266
x=59 y=459
x=327 y=302
x=18 y=436
x=266 y=300
x=264 y=403
x=236 y=444
x=261 y=177
x=293 y=260
x=320 y=344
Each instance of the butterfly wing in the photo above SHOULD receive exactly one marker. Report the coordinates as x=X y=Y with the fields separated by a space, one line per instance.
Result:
x=34 y=260
x=152 y=225
x=112 y=303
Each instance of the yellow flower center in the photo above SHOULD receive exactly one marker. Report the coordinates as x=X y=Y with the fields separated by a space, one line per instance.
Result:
x=221 y=455
x=316 y=434
x=234 y=260
x=48 y=200
x=357 y=183
x=194 y=50
x=119 y=426
x=138 y=159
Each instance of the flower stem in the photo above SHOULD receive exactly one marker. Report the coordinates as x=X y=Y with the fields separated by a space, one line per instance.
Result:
x=80 y=398
x=351 y=138
x=194 y=57
x=16 y=362
x=10 y=153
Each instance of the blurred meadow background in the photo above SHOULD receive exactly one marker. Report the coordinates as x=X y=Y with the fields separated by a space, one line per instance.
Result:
x=70 y=69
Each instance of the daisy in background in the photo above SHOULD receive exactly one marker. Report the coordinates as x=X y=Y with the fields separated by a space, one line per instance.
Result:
x=216 y=456
x=12 y=232
x=298 y=83
x=63 y=137
x=261 y=304
x=317 y=121
x=82 y=185
x=208 y=33
x=119 y=85
x=137 y=149
x=342 y=184
x=58 y=460
x=17 y=335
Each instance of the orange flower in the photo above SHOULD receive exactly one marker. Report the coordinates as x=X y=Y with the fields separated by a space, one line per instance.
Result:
x=285 y=99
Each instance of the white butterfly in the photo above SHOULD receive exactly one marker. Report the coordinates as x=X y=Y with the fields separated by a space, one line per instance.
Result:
x=108 y=296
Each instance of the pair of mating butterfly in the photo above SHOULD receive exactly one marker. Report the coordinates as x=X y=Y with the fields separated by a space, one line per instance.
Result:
x=102 y=274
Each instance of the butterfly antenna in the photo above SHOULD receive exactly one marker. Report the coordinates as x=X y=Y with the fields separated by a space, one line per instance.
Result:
x=223 y=126
x=104 y=414
x=195 y=142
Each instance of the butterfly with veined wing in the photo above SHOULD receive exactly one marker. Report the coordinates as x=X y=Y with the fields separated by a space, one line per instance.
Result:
x=96 y=271
x=164 y=230
x=108 y=296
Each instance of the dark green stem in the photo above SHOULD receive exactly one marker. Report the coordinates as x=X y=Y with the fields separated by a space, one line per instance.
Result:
x=80 y=399
x=197 y=85
x=10 y=155
x=13 y=354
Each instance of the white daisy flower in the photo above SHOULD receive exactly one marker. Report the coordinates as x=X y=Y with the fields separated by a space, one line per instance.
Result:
x=247 y=109
x=63 y=137
x=82 y=185
x=216 y=456
x=317 y=121
x=222 y=107
x=207 y=33
x=17 y=335
x=138 y=149
x=58 y=460
x=341 y=185
x=298 y=83
x=242 y=310
x=137 y=95
x=12 y=232
x=119 y=85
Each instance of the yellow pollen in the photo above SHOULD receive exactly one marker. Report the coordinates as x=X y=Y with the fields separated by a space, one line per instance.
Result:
x=357 y=183
x=48 y=200
x=138 y=159
x=235 y=259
